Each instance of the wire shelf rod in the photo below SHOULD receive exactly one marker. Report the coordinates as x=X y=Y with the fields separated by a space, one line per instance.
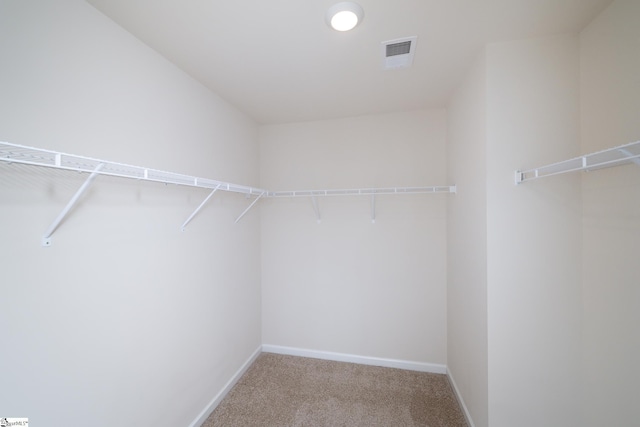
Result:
x=14 y=153
x=621 y=155
x=21 y=154
x=363 y=191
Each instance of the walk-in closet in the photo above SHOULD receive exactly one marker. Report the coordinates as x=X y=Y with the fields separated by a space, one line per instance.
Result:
x=202 y=195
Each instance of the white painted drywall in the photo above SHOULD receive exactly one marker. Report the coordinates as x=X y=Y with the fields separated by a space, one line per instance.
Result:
x=467 y=242
x=610 y=112
x=125 y=319
x=533 y=235
x=347 y=285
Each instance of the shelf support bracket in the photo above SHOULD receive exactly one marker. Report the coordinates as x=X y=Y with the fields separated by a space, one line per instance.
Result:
x=373 y=208
x=250 y=206
x=634 y=157
x=46 y=240
x=204 y=202
x=519 y=177
x=316 y=208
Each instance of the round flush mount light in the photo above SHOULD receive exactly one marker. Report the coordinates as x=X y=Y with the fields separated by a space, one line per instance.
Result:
x=344 y=16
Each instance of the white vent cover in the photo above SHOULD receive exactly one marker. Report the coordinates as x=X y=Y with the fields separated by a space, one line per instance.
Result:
x=398 y=53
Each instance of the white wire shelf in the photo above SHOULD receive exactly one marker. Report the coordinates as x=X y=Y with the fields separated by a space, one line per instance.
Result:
x=364 y=191
x=371 y=192
x=616 y=156
x=20 y=154
x=14 y=153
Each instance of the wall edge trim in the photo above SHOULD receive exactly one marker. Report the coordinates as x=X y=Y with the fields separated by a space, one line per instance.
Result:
x=465 y=411
x=213 y=404
x=433 y=368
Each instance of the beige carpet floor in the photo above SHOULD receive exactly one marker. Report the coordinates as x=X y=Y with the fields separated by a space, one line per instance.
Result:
x=288 y=391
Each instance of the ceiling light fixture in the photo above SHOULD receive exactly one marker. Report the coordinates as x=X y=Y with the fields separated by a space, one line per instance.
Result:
x=344 y=16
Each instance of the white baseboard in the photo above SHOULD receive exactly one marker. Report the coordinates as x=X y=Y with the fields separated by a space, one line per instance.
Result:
x=363 y=360
x=338 y=357
x=467 y=415
x=225 y=390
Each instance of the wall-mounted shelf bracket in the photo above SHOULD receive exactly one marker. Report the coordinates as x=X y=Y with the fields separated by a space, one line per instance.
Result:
x=46 y=240
x=616 y=156
x=250 y=206
x=316 y=208
x=204 y=202
x=631 y=156
x=373 y=209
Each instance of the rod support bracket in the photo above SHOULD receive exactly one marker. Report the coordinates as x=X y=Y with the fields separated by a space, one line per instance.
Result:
x=373 y=208
x=519 y=177
x=316 y=209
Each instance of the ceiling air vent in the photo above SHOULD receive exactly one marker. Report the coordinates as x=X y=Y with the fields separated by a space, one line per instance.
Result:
x=399 y=53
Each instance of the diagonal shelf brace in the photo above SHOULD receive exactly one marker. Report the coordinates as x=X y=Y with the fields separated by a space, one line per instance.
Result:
x=316 y=208
x=633 y=157
x=204 y=202
x=46 y=240
x=250 y=206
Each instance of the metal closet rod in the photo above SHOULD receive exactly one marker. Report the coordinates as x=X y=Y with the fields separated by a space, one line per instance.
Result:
x=616 y=156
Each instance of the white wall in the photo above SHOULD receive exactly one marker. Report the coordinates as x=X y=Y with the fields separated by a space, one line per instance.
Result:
x=514 y=289
x=125 y=314
x=467 y=242
x=347 y=285
x=562 y=284
x=125 y=317
x=610 y=106
x=533 y=235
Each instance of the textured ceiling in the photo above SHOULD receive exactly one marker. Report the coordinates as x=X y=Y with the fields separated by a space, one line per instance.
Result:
x=279 y=62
